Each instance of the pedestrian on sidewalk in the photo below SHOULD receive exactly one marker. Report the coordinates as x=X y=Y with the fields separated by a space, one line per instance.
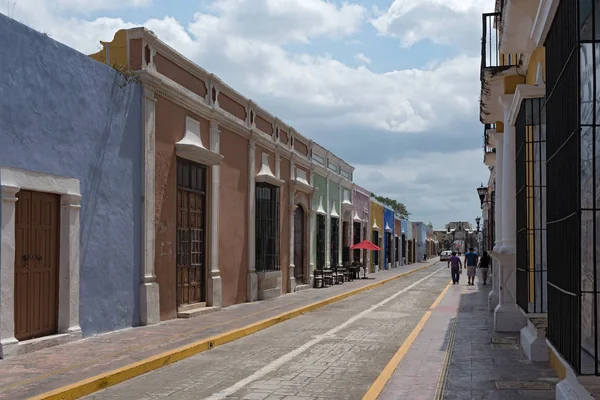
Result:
x=455 y=264
x=471 y=259
x=484 y=264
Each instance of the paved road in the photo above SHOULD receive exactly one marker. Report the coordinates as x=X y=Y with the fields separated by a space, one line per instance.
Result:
x=335 y=352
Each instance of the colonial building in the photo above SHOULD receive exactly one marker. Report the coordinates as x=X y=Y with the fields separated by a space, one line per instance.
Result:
x=71 y=193
x=538 y=104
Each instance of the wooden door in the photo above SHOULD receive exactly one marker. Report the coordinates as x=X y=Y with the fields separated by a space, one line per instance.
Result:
x=36 y=264
x=299 y=244
x=190 y=240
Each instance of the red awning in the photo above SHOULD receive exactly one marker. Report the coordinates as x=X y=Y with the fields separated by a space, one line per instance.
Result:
x=365 y=245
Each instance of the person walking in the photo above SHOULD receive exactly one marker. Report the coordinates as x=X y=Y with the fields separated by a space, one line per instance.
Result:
x=471 y=259
x=484 y=265
x=455 y=263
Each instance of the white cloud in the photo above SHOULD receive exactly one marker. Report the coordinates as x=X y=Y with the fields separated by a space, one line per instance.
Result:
x=435 y=186
x=441 y=21
x=363 y=58
x=243 y=41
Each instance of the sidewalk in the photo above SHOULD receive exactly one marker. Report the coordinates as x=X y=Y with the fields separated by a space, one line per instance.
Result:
x=39 y=372
x=459 y=345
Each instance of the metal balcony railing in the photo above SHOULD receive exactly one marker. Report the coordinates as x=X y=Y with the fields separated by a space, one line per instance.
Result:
x=491 y=57
x=486 y=139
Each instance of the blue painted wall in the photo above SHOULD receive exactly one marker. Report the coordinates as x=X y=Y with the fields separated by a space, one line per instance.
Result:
x=65 y=114
x=388 y=220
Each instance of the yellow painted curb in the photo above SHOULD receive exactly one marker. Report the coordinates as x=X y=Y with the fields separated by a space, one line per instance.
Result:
x=116 y=376
x=377 y=386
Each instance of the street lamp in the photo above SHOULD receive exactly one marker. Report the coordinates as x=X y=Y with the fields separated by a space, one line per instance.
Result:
x=482 y=191
x=478 y=220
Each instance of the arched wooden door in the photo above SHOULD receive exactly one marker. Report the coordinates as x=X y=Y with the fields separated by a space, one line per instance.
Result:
x=299 y=244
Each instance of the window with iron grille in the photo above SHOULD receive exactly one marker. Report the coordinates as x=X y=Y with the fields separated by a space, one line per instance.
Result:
x=356 y=240
x=321 y=241
x=388 y=247
x=530 y=141
x=563 y=145
x=335 y=241
x=267 y=227
x=375 y=253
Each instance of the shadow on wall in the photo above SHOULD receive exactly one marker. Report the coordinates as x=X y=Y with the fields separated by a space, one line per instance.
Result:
x=66 y=114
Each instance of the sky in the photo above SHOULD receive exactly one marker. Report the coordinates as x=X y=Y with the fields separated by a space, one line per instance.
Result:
x=390 y=86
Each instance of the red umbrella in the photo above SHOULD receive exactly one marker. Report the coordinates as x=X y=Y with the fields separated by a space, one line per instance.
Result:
x=365 y=245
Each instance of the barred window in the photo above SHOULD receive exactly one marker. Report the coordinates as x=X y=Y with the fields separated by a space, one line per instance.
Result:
x=375 y=253
x=267 y=227
x=320 y=242
x=335 y=241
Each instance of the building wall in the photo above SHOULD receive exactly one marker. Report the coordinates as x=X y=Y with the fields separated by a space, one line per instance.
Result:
x=388 y=216
x=539 y=55
x=284 y=226
x=233 y=220
x=376 y=215
x=65 y=114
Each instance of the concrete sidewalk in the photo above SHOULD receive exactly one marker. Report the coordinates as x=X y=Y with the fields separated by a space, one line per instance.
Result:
x=458 y=344
x=39 y=372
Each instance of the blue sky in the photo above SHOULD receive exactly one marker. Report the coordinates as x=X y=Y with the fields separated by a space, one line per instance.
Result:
x=391 y=86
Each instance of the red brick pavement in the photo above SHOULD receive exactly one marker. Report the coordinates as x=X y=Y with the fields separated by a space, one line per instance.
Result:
x=35 y=373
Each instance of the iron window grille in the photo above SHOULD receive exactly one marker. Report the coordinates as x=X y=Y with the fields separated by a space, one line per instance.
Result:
x=335 y=241
x=356 y=240
x=397 y=243
x=530 y=141
x=388 y=247
x=375 y=253
x=563 y=186
x=321 y=229
x=267 y=228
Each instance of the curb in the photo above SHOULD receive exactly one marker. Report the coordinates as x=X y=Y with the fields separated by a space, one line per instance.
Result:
x=122 y=374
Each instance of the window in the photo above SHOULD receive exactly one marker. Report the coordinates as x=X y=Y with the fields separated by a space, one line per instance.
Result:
x=335 y=241
x=388 y=247
x=318 y=159
x=356 y=240
x=375 y=253
x=332 y=166
x=267 y=228
x=321 y=241
x=530 y=130
x=346 y=174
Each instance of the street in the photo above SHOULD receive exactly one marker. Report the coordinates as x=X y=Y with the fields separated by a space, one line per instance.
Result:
x=335 y=352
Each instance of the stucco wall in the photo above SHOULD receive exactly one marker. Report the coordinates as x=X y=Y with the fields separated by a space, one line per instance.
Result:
x=65 y=114
x=376 y=214
x=233 y=221
x=361 y=202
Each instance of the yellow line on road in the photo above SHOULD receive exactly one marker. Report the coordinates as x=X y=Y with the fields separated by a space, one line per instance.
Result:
x=116 y=376
x=377 y=386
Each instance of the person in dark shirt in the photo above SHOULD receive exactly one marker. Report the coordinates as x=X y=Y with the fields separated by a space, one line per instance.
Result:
x=484 y=265
x=455 y=263
x=471 y=259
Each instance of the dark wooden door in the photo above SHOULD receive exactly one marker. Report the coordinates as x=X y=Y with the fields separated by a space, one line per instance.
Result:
x=299 y=244
x=190 y=240
x=36 y=264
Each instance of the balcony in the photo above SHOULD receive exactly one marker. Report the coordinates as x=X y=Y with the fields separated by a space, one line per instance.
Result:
x=495 y=65
x=489 y=147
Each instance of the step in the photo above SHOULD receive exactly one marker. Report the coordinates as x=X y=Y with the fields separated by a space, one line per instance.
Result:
x=195 y=312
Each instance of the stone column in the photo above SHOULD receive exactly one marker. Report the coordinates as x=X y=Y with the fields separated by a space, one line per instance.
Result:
x=292 y=209
x=493 y=298
x=68 y=313
x=252 y=278
x=215 y=285
x=149 y=294
x=507 y=315
x=327 y=226
x=340 y=224
x=7 y=271
x=312 y=230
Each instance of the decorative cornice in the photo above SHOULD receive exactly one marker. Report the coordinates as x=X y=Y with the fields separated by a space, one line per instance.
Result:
x=543 y=21
x=523 y=92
